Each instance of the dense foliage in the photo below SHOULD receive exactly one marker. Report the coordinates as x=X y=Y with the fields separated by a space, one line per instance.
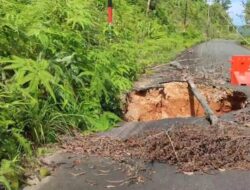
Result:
x=226 y=4
x=247 y=10
x=62 y=66
x=245 y=29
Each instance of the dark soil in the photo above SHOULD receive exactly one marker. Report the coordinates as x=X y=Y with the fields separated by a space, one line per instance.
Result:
x=190 y=148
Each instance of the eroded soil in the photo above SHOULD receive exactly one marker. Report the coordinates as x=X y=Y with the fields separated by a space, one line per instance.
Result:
x=175 y=99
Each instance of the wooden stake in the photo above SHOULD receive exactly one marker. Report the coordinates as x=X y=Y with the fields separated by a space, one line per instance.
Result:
x=209 y=112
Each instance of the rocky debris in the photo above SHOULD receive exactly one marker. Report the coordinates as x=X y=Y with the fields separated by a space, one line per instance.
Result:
x=190 y=148
x=243 y=118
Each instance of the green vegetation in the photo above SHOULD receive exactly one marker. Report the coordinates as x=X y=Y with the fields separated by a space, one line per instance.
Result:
x=245 y=30
x=63 y=67
x=247 y=10
x=226 y=4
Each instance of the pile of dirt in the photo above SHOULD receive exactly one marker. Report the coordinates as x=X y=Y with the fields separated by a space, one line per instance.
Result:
x=190 y=148
x=175 y=100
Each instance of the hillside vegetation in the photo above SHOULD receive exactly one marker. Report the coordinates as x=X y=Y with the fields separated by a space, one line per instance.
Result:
x=62 y=66
x=245 y=29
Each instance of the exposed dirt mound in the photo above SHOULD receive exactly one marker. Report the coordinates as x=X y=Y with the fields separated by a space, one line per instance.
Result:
x=190 y=148
x=175 y=99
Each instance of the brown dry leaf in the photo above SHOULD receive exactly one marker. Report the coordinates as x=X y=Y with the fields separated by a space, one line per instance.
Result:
x=77 y=162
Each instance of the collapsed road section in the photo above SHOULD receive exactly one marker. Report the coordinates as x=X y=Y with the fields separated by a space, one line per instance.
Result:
x=175 y=100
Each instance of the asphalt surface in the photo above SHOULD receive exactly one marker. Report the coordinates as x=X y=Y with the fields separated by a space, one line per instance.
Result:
x=208 y=63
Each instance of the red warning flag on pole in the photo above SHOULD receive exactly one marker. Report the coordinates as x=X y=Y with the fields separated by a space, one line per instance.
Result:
x=110 y=12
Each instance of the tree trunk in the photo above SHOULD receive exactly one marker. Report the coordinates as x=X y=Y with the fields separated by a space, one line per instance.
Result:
x=148 y=6
x=209 y=112
x=185 y=15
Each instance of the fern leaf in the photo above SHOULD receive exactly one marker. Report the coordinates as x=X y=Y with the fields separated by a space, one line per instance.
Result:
x=23 y=142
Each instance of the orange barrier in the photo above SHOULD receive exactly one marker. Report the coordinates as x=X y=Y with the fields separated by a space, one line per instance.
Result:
x=240 y=70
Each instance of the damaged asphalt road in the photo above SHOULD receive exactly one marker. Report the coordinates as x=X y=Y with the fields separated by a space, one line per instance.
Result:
x=208 y=63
